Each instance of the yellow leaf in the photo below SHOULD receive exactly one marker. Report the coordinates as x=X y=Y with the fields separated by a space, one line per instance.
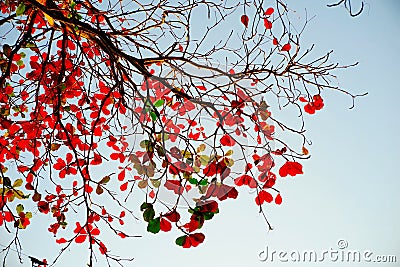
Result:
x=196 y=169
x=55 y=147
x=229 y=162
x=156 y=182
x=17 y=183
x=204 y=159
x=201 y=148
x=186 y=154
x=19 y=194
x=50 y=20
x=229 y=153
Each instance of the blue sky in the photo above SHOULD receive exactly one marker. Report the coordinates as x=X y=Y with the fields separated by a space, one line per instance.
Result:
x=350 y=187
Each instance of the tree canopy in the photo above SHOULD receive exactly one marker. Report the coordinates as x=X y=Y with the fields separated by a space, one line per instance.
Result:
x=185 y=101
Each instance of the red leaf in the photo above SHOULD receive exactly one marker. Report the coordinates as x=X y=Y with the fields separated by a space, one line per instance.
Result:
x=226 y=140
x=175 y=186
x=95 y=231
x=318 y=102
x=262 y=197
x=173 y=170
x=246 y=180
x=309 y=108
x=8 y=217
x=193 y=225
x=275 y=41
x=267 y=24
x=61 y=241
x=80 y=238
x=203 y=88
x=302 y=99
x=43 y=207
x=122 y=235
x=60 y=164
x=96 y=159
x=291 y=168
x=278 y=199
x=173 y=216
x=245 y=20
x=114 y=156
x=211 y=169
x=286 y=47
x=221 y=191
x=152 y=194
x=88 y=188
x=196 y=239
x=121 y=175
x=102 y=247
x=124 y=186
x=79 y=229
x=269 y=11
x=208 y=206
x=165 y=225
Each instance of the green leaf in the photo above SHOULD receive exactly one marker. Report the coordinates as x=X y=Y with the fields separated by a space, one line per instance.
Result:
x=180 y=240
x=154 y=226
x=153 y=115
x=20 y=208
x=193 y=181
x=208 y=215
x=203 y=182
x=17 y=183
x=148 y=214
x=20 y=9
x=158 y=103
x=145 y=206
